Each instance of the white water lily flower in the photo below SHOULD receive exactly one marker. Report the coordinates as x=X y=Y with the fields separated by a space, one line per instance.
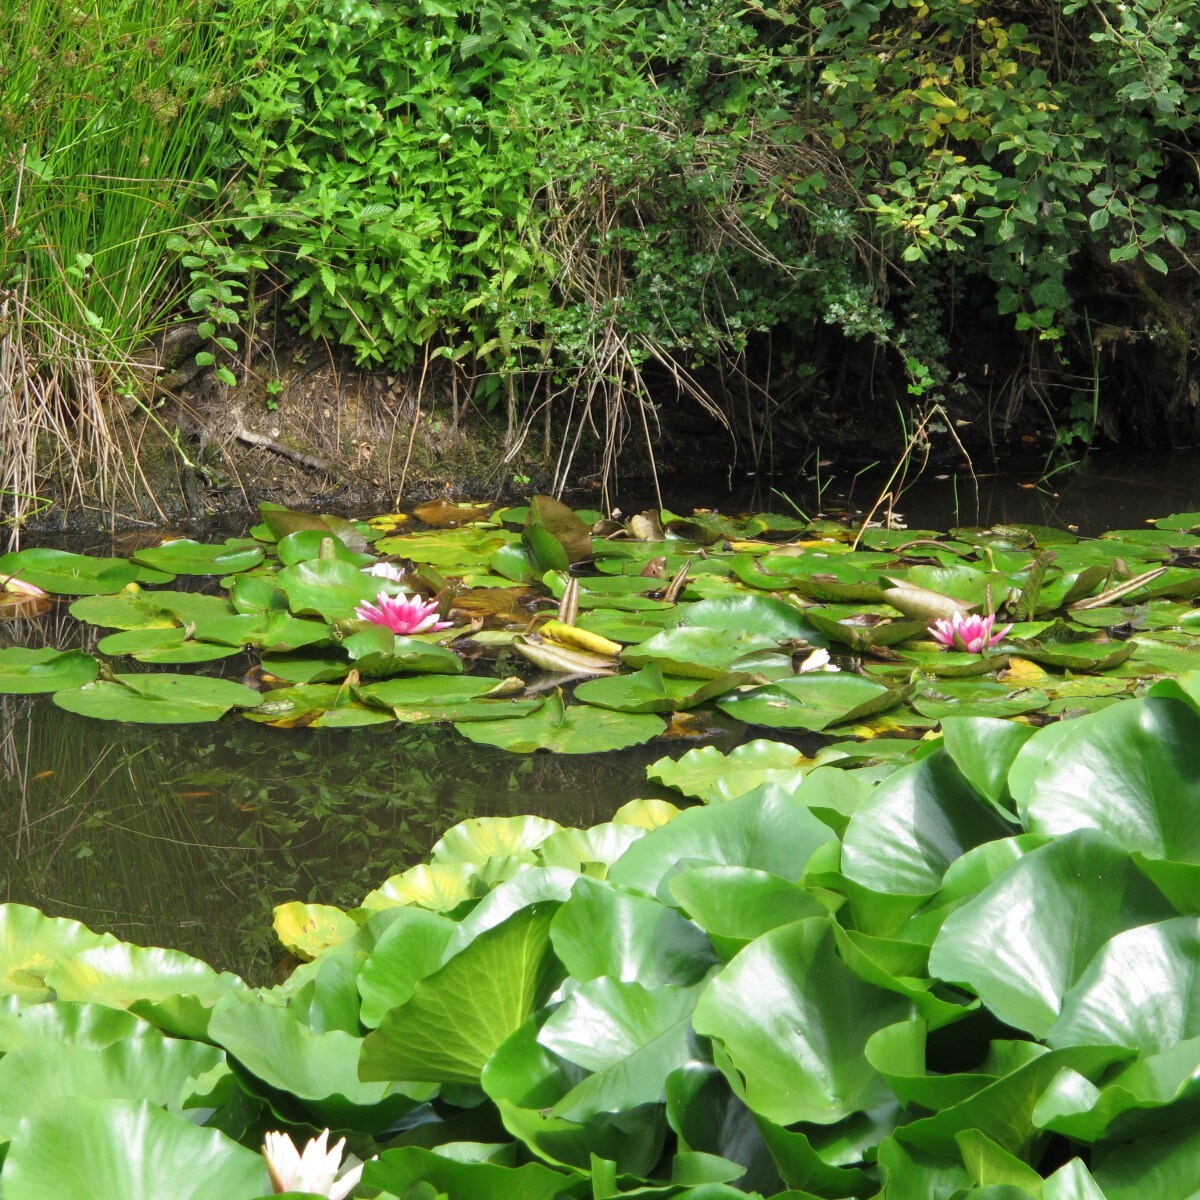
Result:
x=818 y=660
x=315 y=1170
x=383 y=570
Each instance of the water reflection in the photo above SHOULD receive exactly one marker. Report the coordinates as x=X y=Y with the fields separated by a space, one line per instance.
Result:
x=187 y=837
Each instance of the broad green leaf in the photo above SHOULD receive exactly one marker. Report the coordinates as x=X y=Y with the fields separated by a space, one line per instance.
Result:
x=412 y=947
x=698 y=772
x=983 y=749
x=914 y=825
x=480 y=839
x=1026 y=938
x=126 y=1150
x=318 y=1069
x=1139 y=991
x=795 y=1052
x=767 y=830
x=185 y=557
x=811 y=702
x=328 y=587
x=601 y=931
x=65 y=1022
x=630 y=1037
x=458 y=1016
x=1127 y=771
x=158 y=699
x=401 y=1172
x=31 y=944
x=162 y=646
x=696 y=652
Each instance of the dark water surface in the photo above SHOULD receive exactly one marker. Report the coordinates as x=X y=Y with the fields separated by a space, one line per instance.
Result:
x=187 y=836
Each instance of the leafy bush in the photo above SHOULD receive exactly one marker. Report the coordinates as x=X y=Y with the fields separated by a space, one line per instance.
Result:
x=652 y=181
x=967 y=974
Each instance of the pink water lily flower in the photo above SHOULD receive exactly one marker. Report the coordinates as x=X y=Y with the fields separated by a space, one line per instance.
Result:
x=402 y=614
x=315 y=1169
x=969 y=632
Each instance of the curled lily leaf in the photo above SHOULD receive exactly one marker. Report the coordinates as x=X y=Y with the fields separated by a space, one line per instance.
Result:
x=922 y=603
x=551 y=657
x=575 y=638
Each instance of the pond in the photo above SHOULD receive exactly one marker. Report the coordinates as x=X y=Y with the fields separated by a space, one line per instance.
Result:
x=187 y=836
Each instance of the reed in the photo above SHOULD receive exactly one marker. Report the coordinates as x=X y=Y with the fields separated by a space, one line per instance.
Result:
x=108 y=134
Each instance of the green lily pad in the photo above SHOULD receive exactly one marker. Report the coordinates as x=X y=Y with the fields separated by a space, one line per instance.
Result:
x=812 y=702
x=24 y=672
x=646 y=691
x=328 y=587
x=162 y=646
x=565 y=730
x=185 y=557
x=304 y=544
x=1075 y=656
x=127 y=610
x=322 y=705
x=155 y=699
x=977 y=698
x=695 y=652
x=377 y=651
x=65 y=574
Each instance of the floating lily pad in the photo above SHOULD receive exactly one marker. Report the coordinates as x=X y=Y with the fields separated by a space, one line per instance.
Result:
x=127 y=610
x=158 y=699
x=379 y=652
x=699 y=653
x=186 y=557
x=977 y=698
x=162 y=646
x=812 y=702
x=322 y=705
x=65 y=574
x=328 y=587
x=574 y=730
x=24 y=671
x=648 y=691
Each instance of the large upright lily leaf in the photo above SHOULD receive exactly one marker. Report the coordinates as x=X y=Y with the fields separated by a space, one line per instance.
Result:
x=318 y=1069
x=31 y=944
x=791 y=1023
x=1140 y=991
x=126 y=1150
x=768 y=830
x=914 y=825
x=629 y=1036
x=1130 y=771
x=456 y=1017
x=1026 y=938
x=601 y=931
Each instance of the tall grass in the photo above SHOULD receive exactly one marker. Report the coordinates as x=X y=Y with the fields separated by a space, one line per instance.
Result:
x=108 y=132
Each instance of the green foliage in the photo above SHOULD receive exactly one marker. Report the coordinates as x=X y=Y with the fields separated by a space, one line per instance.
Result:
x=923 y=994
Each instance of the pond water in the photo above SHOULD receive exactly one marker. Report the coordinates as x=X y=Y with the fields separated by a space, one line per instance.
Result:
x=188 y=836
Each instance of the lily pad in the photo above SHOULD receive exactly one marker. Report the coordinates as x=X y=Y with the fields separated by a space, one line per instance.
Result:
x=565 y=730
x=158 y=699
x=185 y=557
x=647 y=691
x=65 y=574
x=162 y=646
x=24 y=671
x=812 y=702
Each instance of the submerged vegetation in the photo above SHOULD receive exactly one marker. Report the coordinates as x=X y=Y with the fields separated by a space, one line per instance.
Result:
x=566 y=214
